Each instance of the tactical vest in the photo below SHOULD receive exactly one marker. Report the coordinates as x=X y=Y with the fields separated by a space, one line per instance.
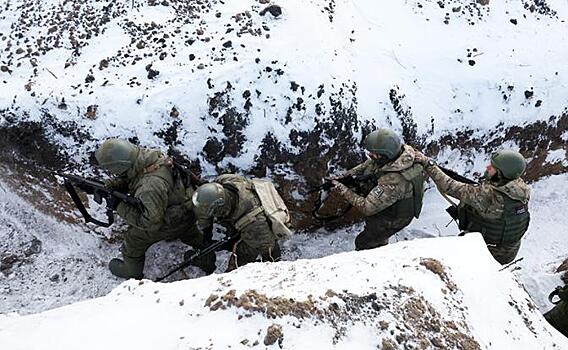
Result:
x=412 y=206
x=509 y=228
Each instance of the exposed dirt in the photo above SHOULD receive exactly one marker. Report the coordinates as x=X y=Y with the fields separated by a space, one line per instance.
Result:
x=416 y=321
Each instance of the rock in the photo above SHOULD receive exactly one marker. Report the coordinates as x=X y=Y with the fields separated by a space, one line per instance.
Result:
x=89 y=79
x=538 y=103
x=54 y=278
x=174 y=113
x=456 y=9
x=471 y=62
x=141 y=44
x=274 y=334
x=274 y=10
x=103 y=64
x=7 y=261
x=152 y=73
x=228 y=44
x=483 y=2
x=191 y=57
x=528 y=94
x=5 y=69
x=33 y=248
x=91 y=112
x=514 y=21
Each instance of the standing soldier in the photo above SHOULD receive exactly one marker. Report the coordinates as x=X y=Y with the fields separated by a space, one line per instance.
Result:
x=396 y=189
x=239 y=204
x=497 y=208
x=166 y=211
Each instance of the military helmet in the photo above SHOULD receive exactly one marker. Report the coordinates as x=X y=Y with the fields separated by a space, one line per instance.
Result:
x=384 y=142
x=510 y=163
x=117 y=155
x=208 y=198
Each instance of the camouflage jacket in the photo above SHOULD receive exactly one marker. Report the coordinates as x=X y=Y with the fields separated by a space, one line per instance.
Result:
x=241 y=201
x=391 y=185
x=150 y=180
x=486 y=198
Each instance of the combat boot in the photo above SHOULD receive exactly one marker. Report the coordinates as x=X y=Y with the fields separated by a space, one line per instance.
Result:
x=205 y=262
x=127 y=268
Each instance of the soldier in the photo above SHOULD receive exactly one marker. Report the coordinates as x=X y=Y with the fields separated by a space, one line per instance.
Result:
x=558 y=315
x=234 y=202
x=167 y=213
x=395 y=192
x=497 y=208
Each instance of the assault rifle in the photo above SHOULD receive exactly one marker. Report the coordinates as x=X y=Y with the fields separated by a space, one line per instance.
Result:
x=350 y=181
x=457 y=176
x=212 y=248
x=96 y=188
x=452 y=210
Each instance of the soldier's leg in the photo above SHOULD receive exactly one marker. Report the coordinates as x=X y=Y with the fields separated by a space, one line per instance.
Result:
x=134 y=247
x=558 y=317
x=378 y=229
x=256 y=239
x=504 y=253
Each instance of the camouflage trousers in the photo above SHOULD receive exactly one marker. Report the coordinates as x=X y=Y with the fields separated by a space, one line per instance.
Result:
x=558 y=317
x=504 y=253
x=137 y=241
x=378 y=230
x=257 y=239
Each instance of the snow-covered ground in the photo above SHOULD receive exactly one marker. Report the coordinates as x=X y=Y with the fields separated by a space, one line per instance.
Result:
x=436 y=66
x=436 y=298
x=71 y=265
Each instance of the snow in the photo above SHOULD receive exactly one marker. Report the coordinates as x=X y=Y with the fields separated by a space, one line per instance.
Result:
x=557 y=156
x=494 y=310
x=378 y=46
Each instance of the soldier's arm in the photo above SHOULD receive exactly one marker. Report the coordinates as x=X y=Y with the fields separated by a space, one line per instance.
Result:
x=153 y=194
x=388 y=191
x=119 y=183
x=468 y=193
x=359 y=169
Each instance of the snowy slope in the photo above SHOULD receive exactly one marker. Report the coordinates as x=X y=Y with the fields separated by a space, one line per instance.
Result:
x=428 y=67
x=437 y=298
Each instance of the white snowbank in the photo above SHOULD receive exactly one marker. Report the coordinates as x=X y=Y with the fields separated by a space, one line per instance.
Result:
x=356 y=300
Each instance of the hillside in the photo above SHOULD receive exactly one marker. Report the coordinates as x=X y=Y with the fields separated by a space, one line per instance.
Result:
x=437 y=299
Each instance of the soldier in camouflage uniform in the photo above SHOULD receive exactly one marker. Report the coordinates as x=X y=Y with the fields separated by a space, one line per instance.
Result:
x=497 y=208
x=395 y=191
x=167 y=213
x=231 y=199
x=558 y=315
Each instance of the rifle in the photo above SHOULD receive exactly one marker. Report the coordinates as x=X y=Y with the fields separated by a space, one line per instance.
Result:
x=452 y=174
x=349 y=181
x=96 y=188
x=199 y=253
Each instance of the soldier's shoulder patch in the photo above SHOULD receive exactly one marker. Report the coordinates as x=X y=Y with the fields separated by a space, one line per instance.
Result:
x=520 y=210
x=377 y=191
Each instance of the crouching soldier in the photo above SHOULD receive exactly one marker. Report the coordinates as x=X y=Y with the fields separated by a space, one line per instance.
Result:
x=558 y=315
x=249 y=209
x=395 y=191
x=497 y=208
x=165 y=213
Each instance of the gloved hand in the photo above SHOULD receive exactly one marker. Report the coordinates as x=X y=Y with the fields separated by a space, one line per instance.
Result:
x=420 y=158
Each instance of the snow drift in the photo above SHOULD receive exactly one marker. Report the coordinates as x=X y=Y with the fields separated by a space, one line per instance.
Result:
x=421 y=294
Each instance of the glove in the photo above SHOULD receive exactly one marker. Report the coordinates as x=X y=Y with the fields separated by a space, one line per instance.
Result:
x=420 y=158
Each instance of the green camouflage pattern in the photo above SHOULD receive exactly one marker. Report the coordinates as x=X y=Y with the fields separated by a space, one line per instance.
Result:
x=256 y=238
x=165 y=214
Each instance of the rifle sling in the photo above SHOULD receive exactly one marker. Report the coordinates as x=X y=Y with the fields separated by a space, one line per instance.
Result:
x=88 y=218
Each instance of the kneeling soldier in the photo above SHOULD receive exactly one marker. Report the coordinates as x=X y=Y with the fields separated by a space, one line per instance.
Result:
x=395 y=191
x=238 y=204
x=166 y=211
x=497 y=208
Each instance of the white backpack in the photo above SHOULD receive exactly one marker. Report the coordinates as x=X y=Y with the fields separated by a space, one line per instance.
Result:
x=274 y=208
